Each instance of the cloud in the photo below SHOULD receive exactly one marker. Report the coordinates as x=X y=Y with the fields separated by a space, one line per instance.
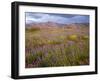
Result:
x=56 y=18
x=80 y=19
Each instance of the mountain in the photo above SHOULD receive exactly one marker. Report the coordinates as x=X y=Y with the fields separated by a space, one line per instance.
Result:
x=47 y=24
x=52 y=25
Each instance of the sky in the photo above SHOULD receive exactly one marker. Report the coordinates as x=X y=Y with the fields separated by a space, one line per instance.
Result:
x=33 y=17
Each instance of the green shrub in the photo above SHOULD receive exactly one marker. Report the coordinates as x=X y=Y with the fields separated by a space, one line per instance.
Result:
x=30 y=58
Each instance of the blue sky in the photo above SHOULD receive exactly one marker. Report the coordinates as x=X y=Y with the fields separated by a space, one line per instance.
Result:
x=32 y=17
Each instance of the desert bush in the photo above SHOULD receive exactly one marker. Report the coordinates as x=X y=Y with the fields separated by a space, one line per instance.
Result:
x=85 y=37
x=54 y=42
x=72 y=37
x=32 y=29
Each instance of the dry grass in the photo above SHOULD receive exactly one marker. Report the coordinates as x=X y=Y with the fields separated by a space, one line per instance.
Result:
x=56 y=47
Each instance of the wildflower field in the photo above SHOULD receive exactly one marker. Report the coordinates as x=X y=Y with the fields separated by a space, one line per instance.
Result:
x=56 y=46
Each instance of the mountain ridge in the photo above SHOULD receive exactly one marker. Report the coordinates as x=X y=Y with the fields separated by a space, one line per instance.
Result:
x=52 y=24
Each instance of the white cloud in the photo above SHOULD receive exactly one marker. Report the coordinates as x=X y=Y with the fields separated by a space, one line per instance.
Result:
x=41 y=17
